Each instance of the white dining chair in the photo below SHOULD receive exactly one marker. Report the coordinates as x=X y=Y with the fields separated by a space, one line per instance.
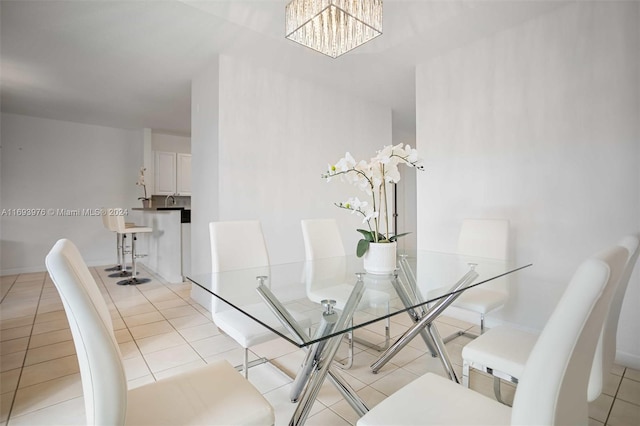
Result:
x=237 y=245
x=326 y=277
x=486 y=238
x=503 y=351
x=215 y=394
x=553 y=388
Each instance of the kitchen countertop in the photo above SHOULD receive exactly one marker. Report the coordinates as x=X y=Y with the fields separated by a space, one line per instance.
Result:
x=185 y=212
x=151 y=209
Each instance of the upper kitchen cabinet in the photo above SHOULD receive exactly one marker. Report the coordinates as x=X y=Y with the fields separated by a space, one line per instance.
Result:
x=172 y=173
x=183 y=170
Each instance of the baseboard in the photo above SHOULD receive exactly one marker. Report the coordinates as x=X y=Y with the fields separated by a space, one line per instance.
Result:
x=628 y=360
x=201 y=296
x=26 y=270
x=42 y=268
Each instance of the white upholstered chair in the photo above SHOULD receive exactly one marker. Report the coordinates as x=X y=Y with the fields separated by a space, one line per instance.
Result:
x=503 y=351
x=215 y=394
x=326 y=277
x=553 y=388
x=322 y=239
x=240 y=245
x=488 y=238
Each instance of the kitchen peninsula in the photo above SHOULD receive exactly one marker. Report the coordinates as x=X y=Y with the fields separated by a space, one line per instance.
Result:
x=168 y=247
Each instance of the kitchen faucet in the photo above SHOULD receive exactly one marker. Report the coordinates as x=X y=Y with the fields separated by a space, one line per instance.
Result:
x=167 y=199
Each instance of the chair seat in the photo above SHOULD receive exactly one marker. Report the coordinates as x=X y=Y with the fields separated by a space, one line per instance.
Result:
x=436 y=401
x=476 y=299
x=246 y=331
x=190 y=398
x=502 y=348
x=481 y=300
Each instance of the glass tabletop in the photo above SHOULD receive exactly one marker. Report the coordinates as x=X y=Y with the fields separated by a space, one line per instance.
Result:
x=293 y=300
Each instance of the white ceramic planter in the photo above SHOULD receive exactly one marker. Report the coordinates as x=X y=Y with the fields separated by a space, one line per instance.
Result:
x=380 y=258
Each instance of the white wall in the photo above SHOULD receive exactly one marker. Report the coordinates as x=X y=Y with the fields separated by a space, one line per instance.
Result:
x=406 y=208
x=204 y=165
x=539 y=124
x=170 y=143
x=53 y=164
x=277 y=135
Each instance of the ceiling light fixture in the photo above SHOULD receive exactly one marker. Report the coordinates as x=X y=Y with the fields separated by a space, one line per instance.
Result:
x=333 y=27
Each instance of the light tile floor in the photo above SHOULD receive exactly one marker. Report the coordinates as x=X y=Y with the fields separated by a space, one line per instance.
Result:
x=161 y=332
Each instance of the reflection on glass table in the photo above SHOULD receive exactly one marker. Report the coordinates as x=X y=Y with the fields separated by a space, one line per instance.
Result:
x=339 y=298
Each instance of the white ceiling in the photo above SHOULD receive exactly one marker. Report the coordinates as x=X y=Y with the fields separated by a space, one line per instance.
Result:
x=129 y=64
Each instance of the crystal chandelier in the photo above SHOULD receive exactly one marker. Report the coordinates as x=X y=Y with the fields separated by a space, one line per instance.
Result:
x=333 y=27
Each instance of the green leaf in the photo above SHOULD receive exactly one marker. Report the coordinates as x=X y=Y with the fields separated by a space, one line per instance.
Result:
x=368 y=235
x=395 y=237
x=363 y=246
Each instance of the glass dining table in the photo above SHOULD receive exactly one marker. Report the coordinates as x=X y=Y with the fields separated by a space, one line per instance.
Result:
x=339 y=298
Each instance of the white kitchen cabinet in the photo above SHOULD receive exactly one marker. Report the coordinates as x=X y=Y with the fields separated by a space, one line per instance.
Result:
x=183 y=180
x=165 y=173
x=172 y=173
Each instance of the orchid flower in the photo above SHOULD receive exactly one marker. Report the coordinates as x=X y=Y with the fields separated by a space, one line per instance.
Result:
x=141 y=183
x=372 y=178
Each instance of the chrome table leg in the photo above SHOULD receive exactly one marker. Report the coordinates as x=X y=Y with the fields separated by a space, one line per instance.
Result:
x=317 y=363
x=348 y=393
x=314 y=355
x=407 y=301
x=321 y=368
x=425 y=320
x=442 y=351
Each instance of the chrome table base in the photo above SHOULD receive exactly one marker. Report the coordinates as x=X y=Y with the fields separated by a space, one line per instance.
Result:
x=319 y=360
x=423 y=320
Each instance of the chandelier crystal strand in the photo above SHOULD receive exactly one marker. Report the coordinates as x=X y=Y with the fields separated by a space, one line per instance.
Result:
x=333 y=27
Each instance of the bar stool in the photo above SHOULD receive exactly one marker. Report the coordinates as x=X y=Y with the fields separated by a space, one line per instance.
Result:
x=107 y=224
x=108 y=220
x=122 y=229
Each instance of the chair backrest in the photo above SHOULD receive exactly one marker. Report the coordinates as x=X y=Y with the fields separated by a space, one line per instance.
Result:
x=606 y=349
x=323 y=245
x=105 y=219
x=237 y=245
x=321 y=239
x=117 y=222
x=103 y=378
x=553 y=387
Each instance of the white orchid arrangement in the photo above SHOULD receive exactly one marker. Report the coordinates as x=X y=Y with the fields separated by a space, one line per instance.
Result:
x=141 y=183
x=372 y=178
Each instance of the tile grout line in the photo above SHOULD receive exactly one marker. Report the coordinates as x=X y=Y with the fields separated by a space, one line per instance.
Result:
x=10 y=288
x=164 y=284
x=191 y=303
x=174 y=290
x=615 y=396
x=125 y=324
x=35 y=315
